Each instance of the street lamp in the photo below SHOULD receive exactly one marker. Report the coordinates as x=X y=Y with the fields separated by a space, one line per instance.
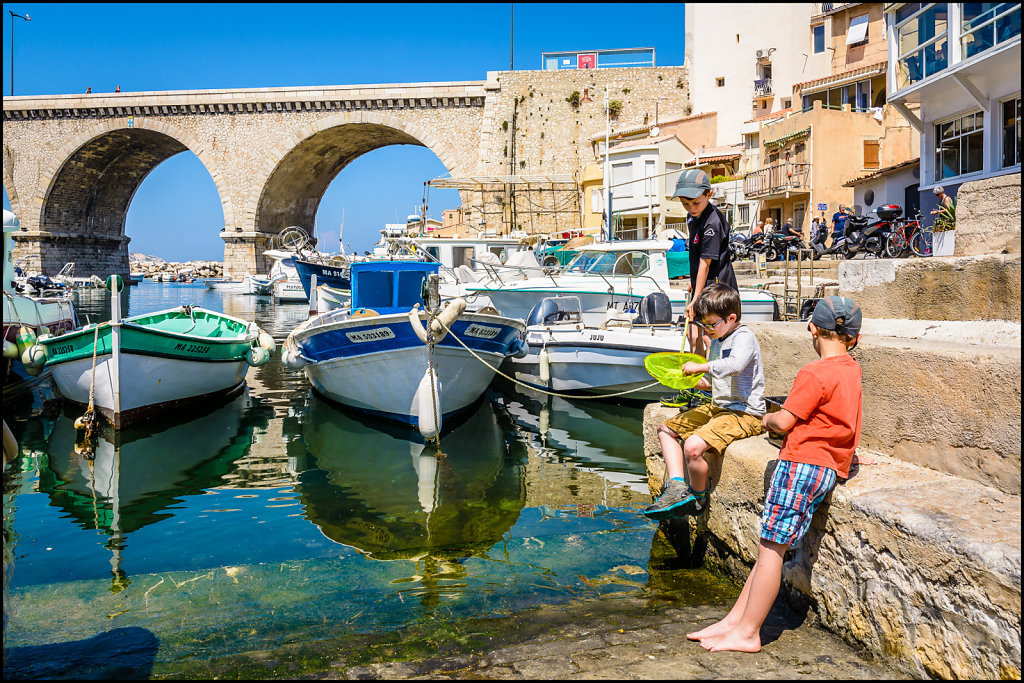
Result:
x=607 y=174
x=26 y=18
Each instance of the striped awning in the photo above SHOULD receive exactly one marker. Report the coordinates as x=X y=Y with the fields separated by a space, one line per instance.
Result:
x=787 y=138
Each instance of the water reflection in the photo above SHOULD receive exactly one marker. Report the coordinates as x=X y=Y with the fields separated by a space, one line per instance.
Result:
x=390 y=498
x=139 y=473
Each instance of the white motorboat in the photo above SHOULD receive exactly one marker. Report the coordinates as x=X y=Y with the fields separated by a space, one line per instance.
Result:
x=287 y=284
x=567 y=356
x=375 y=355
x=27 y=317
x=610 y=279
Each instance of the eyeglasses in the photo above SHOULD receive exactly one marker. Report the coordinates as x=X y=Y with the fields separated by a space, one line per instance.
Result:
x=706 y=327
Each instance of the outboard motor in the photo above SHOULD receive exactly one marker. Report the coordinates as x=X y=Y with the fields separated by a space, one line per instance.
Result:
x=654 y=309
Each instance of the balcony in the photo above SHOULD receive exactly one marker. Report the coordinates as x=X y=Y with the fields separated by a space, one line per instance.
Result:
x=777 y=179
x=763 y=87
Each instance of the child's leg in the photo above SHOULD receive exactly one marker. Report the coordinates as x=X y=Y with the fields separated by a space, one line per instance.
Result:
x=672 y=451
x=761 y=588
x=694 y=450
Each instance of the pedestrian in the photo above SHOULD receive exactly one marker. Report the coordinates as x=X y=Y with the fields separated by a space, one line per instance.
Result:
x=737 y=403
x=710 y=256
x=944 y=209
x=117 y=89
x=815 y=227
x=769 y=224
x=758 y=228
x=88 y=91
x=822 y=422
x=839 y=222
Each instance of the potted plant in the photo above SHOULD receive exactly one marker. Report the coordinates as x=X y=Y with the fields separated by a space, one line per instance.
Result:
x=944 y=231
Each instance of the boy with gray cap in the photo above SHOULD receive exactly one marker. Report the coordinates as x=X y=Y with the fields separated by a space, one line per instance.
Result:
x=821 y=419
x=708 y=243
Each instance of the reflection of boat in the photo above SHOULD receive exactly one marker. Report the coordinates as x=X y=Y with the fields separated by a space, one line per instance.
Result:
x=610 y=279
x=565 y=356
x=25 y=316
x=598 y=436
x=137 y=367
x=370 y=356
x=376 y=491
x=140 y=473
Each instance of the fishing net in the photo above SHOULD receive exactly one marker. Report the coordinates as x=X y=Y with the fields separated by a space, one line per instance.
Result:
x=666 y=367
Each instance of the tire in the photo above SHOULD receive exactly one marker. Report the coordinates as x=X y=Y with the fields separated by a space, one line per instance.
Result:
x=551 y=261
x=771 y=254
x=895 y=245
x=922 y=244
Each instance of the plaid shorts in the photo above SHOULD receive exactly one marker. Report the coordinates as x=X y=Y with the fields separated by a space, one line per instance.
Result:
x=795 y=492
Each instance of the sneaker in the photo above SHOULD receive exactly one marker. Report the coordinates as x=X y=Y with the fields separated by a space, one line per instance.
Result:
x=676 y=499
x=680 y=400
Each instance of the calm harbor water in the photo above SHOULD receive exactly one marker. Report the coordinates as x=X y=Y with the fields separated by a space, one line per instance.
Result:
x=281 y=519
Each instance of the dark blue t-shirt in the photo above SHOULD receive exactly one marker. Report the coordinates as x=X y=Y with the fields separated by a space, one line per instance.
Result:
x=709 y=239
x=839 y=218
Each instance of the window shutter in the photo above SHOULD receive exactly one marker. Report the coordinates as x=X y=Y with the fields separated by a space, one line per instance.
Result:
x=871 y=154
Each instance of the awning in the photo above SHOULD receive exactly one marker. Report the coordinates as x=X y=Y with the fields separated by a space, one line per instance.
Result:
x=786 y=138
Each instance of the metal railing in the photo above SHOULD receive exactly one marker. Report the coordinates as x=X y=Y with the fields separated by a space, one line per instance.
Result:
x=763 y=87
x=777 y=178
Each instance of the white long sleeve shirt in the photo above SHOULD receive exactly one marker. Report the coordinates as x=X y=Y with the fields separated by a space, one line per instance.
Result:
x=736 y=372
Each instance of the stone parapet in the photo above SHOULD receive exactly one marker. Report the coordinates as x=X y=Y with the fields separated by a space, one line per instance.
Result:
x=985 y=287
x=943 y=401
x=988 y=217
x=920 y=567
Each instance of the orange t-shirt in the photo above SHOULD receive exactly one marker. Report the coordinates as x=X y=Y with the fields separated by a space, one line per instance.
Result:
x=826 y=400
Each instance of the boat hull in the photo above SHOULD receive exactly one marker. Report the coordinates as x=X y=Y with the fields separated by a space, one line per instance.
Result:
x=375 y=364
x=326 y=274
x=289 y=291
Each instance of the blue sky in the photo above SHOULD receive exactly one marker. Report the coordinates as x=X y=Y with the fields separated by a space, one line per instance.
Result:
x=69 y=47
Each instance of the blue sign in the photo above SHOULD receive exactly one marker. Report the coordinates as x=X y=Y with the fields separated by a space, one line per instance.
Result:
x=822 y=207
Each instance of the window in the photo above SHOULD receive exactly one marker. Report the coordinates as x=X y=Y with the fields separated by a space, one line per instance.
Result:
x=818 y=38
x=858 y=32
x=744 y=214
x=787 y=103
x=986 y=24
x=958 y=146
x=1011 y=133
x=622 y=174
x=596 y=200
x=871 y=154
x=920 y=42
x=650 y=182
x=720 y=82
x=672 y=178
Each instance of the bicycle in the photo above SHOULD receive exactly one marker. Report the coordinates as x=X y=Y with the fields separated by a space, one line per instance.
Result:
x=900 y=240
x=922 y=242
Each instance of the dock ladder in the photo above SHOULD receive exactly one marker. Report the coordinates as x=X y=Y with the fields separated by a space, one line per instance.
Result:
x=792 y=292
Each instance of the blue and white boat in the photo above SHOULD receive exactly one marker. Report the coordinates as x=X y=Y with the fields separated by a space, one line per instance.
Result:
x=375 y=356
x=334 y=274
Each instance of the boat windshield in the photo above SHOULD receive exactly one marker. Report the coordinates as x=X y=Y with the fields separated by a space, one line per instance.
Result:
x=610 y=263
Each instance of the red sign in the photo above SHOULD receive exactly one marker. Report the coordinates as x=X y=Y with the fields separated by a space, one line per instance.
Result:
x=586 y=61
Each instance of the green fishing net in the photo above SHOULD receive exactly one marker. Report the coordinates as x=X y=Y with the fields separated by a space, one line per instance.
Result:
x=666 y=367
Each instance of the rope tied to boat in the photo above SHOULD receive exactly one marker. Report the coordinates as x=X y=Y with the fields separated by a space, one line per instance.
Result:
x=535 y=388
x=86 y=426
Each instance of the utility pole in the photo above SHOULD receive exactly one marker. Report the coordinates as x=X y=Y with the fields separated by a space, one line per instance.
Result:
x=511 y=37
x=607 y=169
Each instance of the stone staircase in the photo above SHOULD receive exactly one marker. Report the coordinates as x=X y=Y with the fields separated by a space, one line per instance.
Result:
x=916 y=558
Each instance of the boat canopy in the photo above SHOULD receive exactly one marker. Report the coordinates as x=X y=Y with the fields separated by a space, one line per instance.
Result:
x=389 y=286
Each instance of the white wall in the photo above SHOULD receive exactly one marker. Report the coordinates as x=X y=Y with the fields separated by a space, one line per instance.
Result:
x=712 y=51
x=888 y=189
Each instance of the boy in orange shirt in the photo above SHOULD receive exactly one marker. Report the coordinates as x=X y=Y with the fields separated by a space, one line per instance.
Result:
x=821 y=419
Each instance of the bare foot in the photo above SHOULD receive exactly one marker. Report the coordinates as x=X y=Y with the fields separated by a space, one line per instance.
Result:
x=715 y=629
x=732 y=641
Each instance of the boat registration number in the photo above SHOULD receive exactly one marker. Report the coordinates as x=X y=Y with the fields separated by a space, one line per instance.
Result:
x=482 y=331
x=62 y=349
x=191 y=348
x=375 y=334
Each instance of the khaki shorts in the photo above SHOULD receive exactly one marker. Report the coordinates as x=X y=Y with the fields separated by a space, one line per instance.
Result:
x=717 y=426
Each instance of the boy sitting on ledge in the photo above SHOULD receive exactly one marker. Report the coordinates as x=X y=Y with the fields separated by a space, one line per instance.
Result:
x=821 y=419
x=737 y=403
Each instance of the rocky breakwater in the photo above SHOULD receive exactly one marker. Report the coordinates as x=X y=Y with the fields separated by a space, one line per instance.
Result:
x=153 y=266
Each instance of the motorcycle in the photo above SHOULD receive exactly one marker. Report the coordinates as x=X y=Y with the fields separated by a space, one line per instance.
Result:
x=869 y=236
x=838 y=247
x=777 y=246
x=739 y=245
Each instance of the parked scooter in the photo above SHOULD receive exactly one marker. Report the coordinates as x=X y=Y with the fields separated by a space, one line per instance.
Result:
x=868 y=236
x=837 y=248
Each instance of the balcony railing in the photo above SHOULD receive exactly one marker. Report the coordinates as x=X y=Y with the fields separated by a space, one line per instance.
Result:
x=763 y=87
x=776 y=179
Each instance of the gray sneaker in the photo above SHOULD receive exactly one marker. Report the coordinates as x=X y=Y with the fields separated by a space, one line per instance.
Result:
x=676 y=499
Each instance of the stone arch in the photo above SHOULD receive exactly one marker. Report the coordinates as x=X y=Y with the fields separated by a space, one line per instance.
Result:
x=300 y=167
x=94 y=177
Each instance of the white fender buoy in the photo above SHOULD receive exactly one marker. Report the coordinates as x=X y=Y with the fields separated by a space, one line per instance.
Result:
x=520 y=349
x=24 y=338
x=417 y=324
x=545 y=367
x=257 y=356
x=448 y=316
x=291 y=356
x=266 y=341
x=34 y=356
x=10 y=350
x=428 y=394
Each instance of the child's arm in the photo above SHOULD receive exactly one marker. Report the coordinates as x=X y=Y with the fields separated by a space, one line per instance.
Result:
x=779 y=422
x=742 y=355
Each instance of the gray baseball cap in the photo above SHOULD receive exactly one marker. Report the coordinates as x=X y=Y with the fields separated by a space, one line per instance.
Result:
x=692 y=184
x=838 y=313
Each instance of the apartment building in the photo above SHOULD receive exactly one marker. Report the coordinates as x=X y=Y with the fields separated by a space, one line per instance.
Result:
x=954 y=71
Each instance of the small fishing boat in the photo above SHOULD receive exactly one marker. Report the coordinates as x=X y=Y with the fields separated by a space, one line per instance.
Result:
x=333 y=273
x=372 y=355
x=145 y=364
x=287 y=285
x=567 y=356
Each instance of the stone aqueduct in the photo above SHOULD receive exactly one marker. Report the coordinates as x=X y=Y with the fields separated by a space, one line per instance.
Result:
x=72 y=163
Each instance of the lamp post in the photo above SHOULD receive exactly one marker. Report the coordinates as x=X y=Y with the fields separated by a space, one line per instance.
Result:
x=26 y=18
x=607 y=172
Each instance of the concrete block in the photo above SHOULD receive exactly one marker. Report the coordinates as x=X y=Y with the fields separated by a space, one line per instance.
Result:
x=920 y=567
x=988 y=216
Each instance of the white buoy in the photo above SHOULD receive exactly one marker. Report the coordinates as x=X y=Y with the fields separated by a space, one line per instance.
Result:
x=266 y=341
x=545 y=367
x=257 y=356
x=428 y=395
x=10 y=350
